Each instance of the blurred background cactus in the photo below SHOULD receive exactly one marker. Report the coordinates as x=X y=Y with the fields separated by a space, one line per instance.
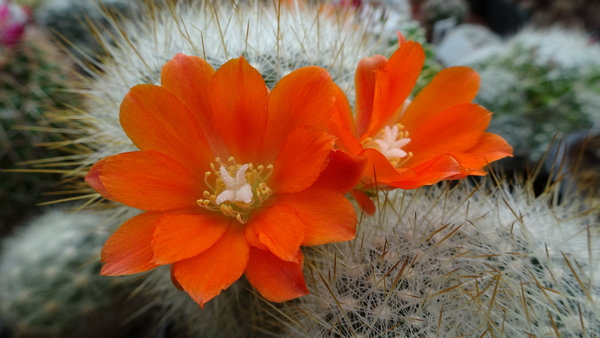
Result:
x=32 y=78
x=387 y=17
x=433 y=11
x=235 y=313
x=50 y=278
x=70 y=21
x=541 y=85
x=580 y=14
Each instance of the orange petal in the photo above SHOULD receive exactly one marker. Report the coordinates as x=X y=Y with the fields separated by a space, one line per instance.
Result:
x=327 y=215
x=301 y=159
x=365 y=202
x=364 y=81
x=342 y=173
x=204 y=276
x=155 y=119
x=394 y=83
x=456 y=129
x=490 y=148
x=150 y=180
x=345 y=139
x=450 y=87
x=437 y=169
x=275 y=279
x=188 y=78
x=342 y=116
x=178 y=237
x=173 y=280
x=129 y=249
x=401 y=39
x=379 y=170
x=93 y=179
x=304 y=97
x=238 y=100
x=278 y=229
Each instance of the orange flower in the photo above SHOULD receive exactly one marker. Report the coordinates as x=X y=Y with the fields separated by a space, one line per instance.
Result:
x=233 y=178
x=440 y=135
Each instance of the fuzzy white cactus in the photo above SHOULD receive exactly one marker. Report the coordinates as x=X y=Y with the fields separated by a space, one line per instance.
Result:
x=551 y=77
x=49 y=274
x=434 y=261
x=457 y=262
x=274 y=40
x=570 y=53
x=231 y=315
x=67 y=19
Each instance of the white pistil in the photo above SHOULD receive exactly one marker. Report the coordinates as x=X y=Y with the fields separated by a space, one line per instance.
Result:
x=391 y=143
x=237 y=189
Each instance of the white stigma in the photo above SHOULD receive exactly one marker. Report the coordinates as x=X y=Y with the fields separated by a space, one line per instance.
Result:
x=237 y=189
x=389 y=145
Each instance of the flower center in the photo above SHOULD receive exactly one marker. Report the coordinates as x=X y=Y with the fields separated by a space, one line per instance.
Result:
x=237 y=189
x=389 y=141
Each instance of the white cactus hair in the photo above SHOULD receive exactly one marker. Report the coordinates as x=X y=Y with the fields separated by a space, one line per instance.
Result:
x=50 y=273
x=232 y=314
x=568 y=51
x=273 y=39
x=440 y=261
x=461 y=261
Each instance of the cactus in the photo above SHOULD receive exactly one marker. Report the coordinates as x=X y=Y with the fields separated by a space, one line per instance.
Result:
x=231 y=315
x=273 y=40
x=551 y=81
x=32 y=77
x=457 y=262
x=49 y=272
x=69 y=20
x=582 y=14
x=433 y=11
x=387 y=17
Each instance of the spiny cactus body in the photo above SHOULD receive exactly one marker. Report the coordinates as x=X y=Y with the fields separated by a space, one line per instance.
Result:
x=69 y=21
x=457 y=262
x=548 y=78
x=49 y=273
x=275 y=38
x=32 y=82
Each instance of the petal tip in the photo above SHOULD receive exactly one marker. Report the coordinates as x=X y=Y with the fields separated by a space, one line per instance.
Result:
x=93 y=179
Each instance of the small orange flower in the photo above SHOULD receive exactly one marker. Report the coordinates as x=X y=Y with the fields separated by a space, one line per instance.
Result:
x=233 y=178
x=440 y=135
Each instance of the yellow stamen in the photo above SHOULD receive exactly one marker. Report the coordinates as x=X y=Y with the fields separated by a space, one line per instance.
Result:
x=237 y=189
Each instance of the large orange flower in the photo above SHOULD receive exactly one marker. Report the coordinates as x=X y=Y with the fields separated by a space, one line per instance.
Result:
x=233 y=178
x=440 y=135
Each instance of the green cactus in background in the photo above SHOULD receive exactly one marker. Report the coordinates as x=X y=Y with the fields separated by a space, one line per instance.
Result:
x=432 y=11
x=50 y=276
x=546 y=83
x=70 y=21
x=32 y=77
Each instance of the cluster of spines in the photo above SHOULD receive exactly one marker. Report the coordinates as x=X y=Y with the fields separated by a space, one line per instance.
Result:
x=50 y=274
x=446 y=262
